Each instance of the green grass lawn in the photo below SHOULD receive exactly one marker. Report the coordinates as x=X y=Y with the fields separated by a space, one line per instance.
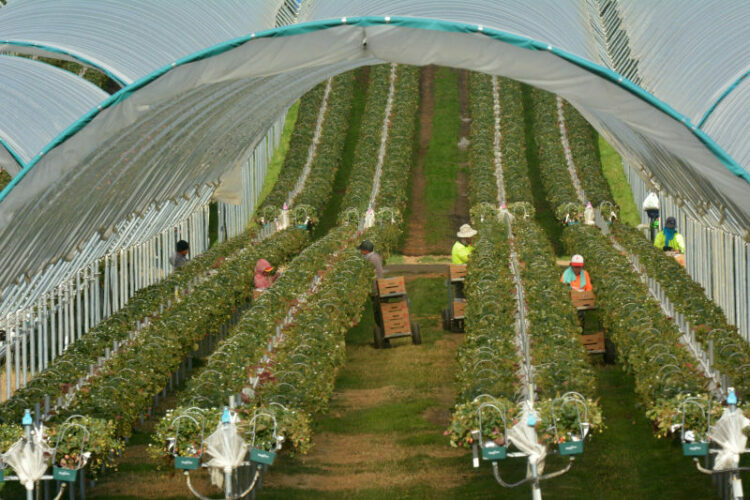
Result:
x=443 y=158
x=618 y=183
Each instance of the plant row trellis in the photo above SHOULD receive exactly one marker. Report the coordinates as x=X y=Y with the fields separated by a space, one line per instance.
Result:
x=214 y=294
x=491 y=370
x=359 y=188
x=75 y=362
x=731 y=353
x=666 y=372
x=283 y=361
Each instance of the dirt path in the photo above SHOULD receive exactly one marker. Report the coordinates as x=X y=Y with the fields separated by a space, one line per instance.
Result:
x=415 y=240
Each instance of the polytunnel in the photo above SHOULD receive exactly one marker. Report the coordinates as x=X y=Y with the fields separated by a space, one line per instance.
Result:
x=202 y=83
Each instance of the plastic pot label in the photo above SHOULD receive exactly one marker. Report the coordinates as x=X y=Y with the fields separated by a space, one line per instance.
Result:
x=186 y=463
x=62 y=474
x=494 y=453
x=571 y=448
x=262 y=456
x=694 y=449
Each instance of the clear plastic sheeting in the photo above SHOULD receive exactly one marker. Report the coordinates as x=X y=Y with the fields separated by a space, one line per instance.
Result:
x=523 y=436
x=128 y=40
x=37 y=102
x=8 y=161
x=189 y=125
x=29 y=458
x=728 y=433
x=227 y=450
x=166 y=152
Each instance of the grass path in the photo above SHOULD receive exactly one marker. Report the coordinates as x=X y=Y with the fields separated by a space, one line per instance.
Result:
x=438 y=180
x=618 y=183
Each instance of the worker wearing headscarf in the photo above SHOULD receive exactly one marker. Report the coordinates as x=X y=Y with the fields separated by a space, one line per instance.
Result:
x=462 y=248
x=669 y=239
x=265 y=274
x=576 y=276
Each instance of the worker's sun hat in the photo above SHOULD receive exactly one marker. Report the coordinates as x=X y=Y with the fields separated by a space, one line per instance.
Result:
x=671 y=223
x=366 y=245
x=466 y=231
x=269 y=269
x=576 y=261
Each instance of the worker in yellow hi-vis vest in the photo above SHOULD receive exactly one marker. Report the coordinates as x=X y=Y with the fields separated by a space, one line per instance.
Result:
x=462 y=248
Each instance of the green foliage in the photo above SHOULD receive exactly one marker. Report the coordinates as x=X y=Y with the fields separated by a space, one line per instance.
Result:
x=299 y=145
x=482 y=183
x=487 y=358
x=515 y=167
x=618 y=183
x=557 y=353
x=366 y=154
x=157 y=351
x=552 y=165
x=319 y=184
x=648 y=341
x=74 y=363
x=399 y=151
x=5 y=178
x=583 y=146
x=708 y=322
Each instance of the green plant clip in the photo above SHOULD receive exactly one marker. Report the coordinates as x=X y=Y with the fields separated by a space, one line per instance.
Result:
x=570 y=448
x=63 y=474
x=694 y=449
x=262 y=456
x=494 y=453
x=186 y=463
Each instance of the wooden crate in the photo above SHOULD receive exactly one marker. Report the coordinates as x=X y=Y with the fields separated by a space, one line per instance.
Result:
x=396 y=324
x=394 y=310
x=583 y=299
x=257 y=293
x=391 y=286
x=458 y=309
x=593 y=343
x=458 y=272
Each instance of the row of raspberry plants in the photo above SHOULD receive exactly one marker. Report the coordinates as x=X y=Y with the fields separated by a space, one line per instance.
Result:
x=358 y=190
x=299 y=145
x=295 y=380
x=552 y=165
x=74 y=363
x=487 y=358
x=584 y=148
x=122 y=388
x=482 y=184
x=350 y=273
x=647 y=340
x=317 y=191
x=731 y=351
x=483 y=187
x=111 y=400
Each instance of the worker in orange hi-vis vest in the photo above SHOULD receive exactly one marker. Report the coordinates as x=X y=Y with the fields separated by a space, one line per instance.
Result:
x=576 y=276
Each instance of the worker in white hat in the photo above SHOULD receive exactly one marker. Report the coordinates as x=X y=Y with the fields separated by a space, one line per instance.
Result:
x=462 y=248
x=576 y=276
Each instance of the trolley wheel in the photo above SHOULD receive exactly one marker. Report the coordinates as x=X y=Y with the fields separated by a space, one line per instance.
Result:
x=416 y=334
x=446 y=319
x=610 y=352
x=457 y=325
x=378 y=336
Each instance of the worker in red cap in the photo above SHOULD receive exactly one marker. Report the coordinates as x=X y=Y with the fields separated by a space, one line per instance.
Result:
x=576 y=276
x=265 y=274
